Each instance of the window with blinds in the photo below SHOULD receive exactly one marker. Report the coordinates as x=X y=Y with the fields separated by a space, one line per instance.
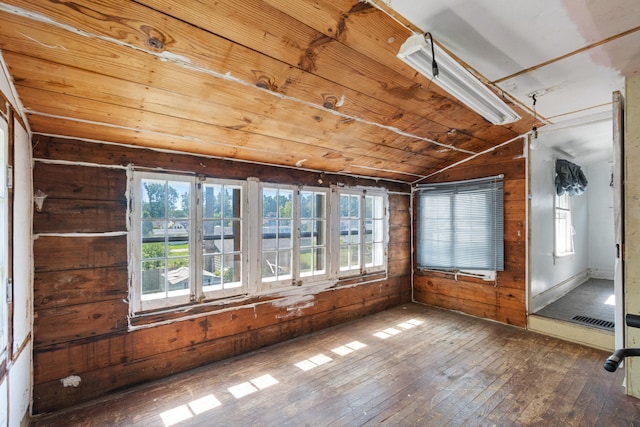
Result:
x=460 y=225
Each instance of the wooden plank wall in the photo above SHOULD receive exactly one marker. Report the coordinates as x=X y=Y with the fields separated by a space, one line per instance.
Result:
x=505 y=299
x=81 y=279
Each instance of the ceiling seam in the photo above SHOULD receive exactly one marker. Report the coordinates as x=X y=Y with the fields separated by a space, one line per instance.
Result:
x=567 y=55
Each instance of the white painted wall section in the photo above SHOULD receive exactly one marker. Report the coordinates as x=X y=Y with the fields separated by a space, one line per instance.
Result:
x=551 y=277
x=602 y=245
x=22 y=242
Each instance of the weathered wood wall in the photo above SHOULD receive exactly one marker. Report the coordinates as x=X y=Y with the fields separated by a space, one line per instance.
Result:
x=81 y=283
x=505 y=299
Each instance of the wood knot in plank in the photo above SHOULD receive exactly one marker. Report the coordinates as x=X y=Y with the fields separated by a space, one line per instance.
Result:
x=155 y=39
x=329 y=101
x=265 y=81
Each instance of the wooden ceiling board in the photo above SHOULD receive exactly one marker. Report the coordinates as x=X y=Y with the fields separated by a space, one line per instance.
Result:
x=285 y=121
x=327 y=57
x=228 y=79
x=115 y=62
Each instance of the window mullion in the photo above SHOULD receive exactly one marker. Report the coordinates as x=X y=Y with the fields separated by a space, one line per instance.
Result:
x=196 y=243
x=295 y=239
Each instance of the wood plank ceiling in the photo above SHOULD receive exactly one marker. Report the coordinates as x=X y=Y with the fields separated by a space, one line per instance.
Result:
x=314 y=84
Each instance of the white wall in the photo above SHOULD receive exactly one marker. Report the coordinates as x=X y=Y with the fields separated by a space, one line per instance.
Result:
x=551 y=277
x=601 y=224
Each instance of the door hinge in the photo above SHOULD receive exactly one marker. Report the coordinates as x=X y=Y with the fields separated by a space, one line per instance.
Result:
x=9 y=176
x=9 y=290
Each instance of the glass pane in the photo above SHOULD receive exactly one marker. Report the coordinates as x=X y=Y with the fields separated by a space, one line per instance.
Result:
x=306 y=261
x=211 y=267
x=368 y=207
x=320 y=205
x=269 y=203
x=354 y=228
x=178 y=248
x=306 y=204
x=269 y=233
x=284 y=233
x=354 y=206
x=284 y=263
x=354 y=256
x=212 y=201
x=368 y=230
x=344 y=257
x=320 y=260
x=344 y=231
x=153 y=283
x=344 y=206
x=285 y=200
x=178 y=274
x=153 y=250
x=368 y=254
x=179 y=198
x=306 y=233
x=153 y=194
x=212 y=234
x=232 y=202
x=232 y=266
x=320 y=234
x=269 y=266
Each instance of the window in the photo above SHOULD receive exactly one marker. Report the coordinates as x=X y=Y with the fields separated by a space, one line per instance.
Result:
x=460 y=225
x=362 y=232
x=294 y=236
x=194 y=239
x=187 y=239
x=563 y=227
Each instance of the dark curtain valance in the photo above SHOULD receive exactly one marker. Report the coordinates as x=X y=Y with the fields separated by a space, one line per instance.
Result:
x=569 y=178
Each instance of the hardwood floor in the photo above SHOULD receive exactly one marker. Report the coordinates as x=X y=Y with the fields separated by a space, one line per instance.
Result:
x=412 y=365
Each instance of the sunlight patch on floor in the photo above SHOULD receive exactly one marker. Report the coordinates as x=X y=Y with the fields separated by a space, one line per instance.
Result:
x=313 y=362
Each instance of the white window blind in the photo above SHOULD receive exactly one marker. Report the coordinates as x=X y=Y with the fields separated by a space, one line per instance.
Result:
x=461 y=225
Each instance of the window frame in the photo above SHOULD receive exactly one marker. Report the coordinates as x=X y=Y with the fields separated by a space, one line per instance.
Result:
x=250 y=256
x=455 y=193
x=196 y=288
x=362 y=268
x=295 y=277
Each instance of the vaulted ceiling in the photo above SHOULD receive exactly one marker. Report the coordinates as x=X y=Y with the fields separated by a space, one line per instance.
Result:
x=312 y=84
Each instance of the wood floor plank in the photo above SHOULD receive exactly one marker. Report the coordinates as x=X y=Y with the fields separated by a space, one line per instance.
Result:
x=448 y=370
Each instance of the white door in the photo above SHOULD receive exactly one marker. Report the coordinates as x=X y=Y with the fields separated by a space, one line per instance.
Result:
x=618 y=208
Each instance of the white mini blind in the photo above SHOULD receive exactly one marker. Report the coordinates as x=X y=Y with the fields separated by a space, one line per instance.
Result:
x=460 y=225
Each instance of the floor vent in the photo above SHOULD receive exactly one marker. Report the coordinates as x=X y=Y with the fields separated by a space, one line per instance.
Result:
x=594 y=322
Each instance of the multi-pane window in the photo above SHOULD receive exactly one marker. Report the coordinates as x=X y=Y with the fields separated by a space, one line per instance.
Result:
x=192 y=242
x=563 y=228
x=277 y=236
x=460 y=225
x=362 y=232
x=221 y=237
x=312 y=256
x=188 y=239
x=294 y=234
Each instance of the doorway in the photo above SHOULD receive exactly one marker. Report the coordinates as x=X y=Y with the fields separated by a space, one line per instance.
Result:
x=572 y=291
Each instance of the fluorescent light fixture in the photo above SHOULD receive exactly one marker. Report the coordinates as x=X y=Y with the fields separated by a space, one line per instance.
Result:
x=455 y=79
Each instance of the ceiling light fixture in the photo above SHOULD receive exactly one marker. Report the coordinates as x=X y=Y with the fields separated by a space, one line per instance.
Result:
x=421 y=54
